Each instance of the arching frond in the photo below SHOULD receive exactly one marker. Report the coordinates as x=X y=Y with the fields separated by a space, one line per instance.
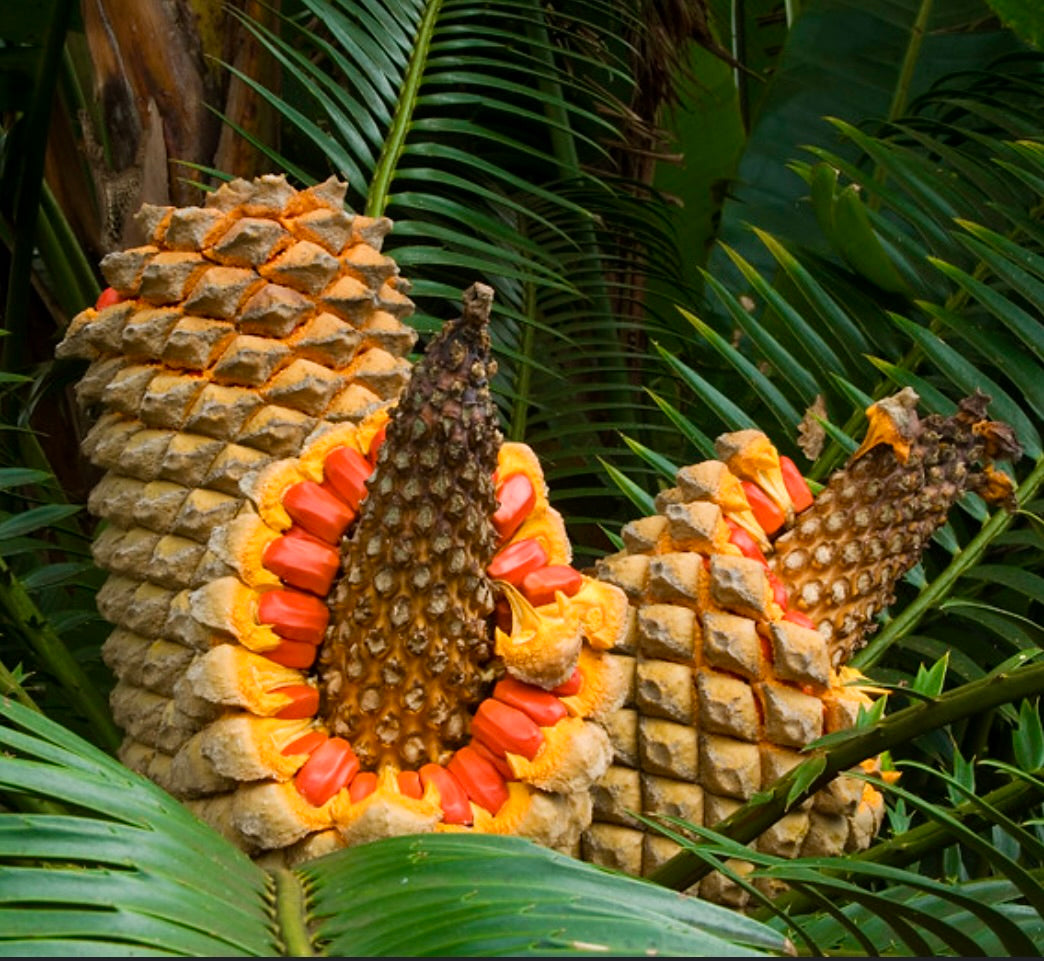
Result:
x=486 y=134
x=936 y=286
x=886 y=900
x=101 y=862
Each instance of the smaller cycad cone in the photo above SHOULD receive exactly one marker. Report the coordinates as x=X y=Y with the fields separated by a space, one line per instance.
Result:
x=749 y=595
x=410 y=651
x=874 y=519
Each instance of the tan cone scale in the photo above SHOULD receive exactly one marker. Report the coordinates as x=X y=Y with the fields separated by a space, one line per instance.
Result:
x=748 y=599
x=345 y=609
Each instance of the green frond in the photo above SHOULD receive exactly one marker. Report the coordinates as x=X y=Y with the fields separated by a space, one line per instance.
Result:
x=123 y=869
x=127 y=868
x=485 y=134
x=464 y=896
x=882 y=900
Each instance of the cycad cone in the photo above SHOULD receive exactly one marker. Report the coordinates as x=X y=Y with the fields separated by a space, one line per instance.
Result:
x=748 y=598
x=243 y=383
x=251 y=362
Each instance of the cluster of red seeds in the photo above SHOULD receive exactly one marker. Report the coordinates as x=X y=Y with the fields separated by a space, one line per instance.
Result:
x=524 y=563
x=307 y=559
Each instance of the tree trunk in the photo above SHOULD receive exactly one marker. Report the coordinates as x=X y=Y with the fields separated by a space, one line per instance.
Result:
x=153 y=81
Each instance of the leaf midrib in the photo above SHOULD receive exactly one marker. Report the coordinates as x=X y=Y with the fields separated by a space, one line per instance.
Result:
x=290 y=902
x=394 y=144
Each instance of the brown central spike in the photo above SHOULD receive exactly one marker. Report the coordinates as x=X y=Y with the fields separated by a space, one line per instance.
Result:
x=409 y=651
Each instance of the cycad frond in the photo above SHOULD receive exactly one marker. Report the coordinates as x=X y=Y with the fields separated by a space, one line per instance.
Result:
x=104 y=863
x=962 y=315
x=485 y=133
x=886 y=899
x=428 y=109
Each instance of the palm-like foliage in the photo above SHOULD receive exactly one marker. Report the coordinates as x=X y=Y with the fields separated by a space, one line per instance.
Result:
x=485 y=132
x=933 y=281
x=100 y=862
x=962 y=316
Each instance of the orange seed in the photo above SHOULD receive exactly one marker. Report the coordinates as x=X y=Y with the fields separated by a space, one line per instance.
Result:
x=517 y=560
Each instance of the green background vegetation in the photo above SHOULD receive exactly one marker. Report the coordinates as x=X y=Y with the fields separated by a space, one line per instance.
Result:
x=697 y=218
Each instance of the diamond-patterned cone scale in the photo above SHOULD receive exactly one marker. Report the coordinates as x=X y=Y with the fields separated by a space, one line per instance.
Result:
x=410 y=652
x=748 y=596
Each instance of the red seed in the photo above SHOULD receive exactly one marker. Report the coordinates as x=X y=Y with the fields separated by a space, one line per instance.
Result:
x=570 y=686
x=410 y=784
x=293 y=654
x=516 y=498
x=480 y=779
x=363 y=785
x=328 y=770
x=304 y=562
x=375 y=444
x=346 y=471
x=304 y=701
x=800 y=494
x=766 y=511
x=541 y=706
x=305 y=744
x=747 y=545
x=517 y=560
x=107 y=298
x=800 y=618
x=541 y=585
x=293 y=615
x=503 y=728
x=318 y=510
x=453 y=799
x=500 y=763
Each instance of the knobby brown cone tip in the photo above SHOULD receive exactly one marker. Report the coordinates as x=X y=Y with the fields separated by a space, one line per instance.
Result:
x=874 y=519
x=410 y=651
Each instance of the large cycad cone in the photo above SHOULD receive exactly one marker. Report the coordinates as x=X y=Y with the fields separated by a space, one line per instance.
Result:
x=748 y=598
x=279 y=483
